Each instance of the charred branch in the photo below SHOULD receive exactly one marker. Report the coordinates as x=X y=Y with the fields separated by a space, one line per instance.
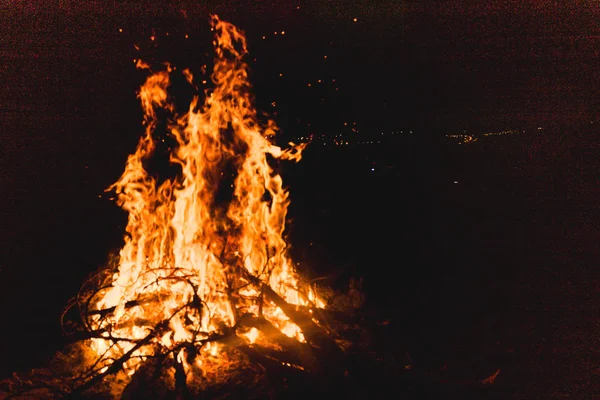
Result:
x=314 y=334
x=181 y=389
x=117 y=365
x=130 y=304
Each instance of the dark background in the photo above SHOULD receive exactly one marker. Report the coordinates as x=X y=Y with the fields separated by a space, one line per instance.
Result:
x=498 y=270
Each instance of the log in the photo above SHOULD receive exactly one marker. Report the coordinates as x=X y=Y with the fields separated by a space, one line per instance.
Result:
x=301 y=351
x=324 y=347
x=144 y=384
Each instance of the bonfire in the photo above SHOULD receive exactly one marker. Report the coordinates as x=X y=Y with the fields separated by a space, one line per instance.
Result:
x=203 y=292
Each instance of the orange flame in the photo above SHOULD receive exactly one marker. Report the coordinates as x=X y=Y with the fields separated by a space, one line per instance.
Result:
x=184 y=244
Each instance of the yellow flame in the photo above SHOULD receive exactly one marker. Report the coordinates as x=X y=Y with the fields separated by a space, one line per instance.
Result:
x=185 y=244
x=252 y=335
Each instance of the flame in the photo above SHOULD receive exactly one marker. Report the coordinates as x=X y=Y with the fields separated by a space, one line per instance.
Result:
x=185 y=247
x=252 y=335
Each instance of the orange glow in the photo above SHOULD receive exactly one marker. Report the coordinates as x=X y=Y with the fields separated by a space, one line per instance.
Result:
x=192 y=262
x=252 y=335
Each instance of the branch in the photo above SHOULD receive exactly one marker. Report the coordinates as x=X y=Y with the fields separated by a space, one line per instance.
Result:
x=118 y=364
x=312 y=332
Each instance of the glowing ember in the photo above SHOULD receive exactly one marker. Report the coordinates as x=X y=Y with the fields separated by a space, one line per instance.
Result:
x=201 y=247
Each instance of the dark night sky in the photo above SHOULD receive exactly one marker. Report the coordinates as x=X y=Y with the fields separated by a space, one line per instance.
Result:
x=442 y=64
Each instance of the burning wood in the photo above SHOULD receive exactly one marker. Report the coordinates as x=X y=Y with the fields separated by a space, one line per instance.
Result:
x=198 y=273
x=204 y=283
